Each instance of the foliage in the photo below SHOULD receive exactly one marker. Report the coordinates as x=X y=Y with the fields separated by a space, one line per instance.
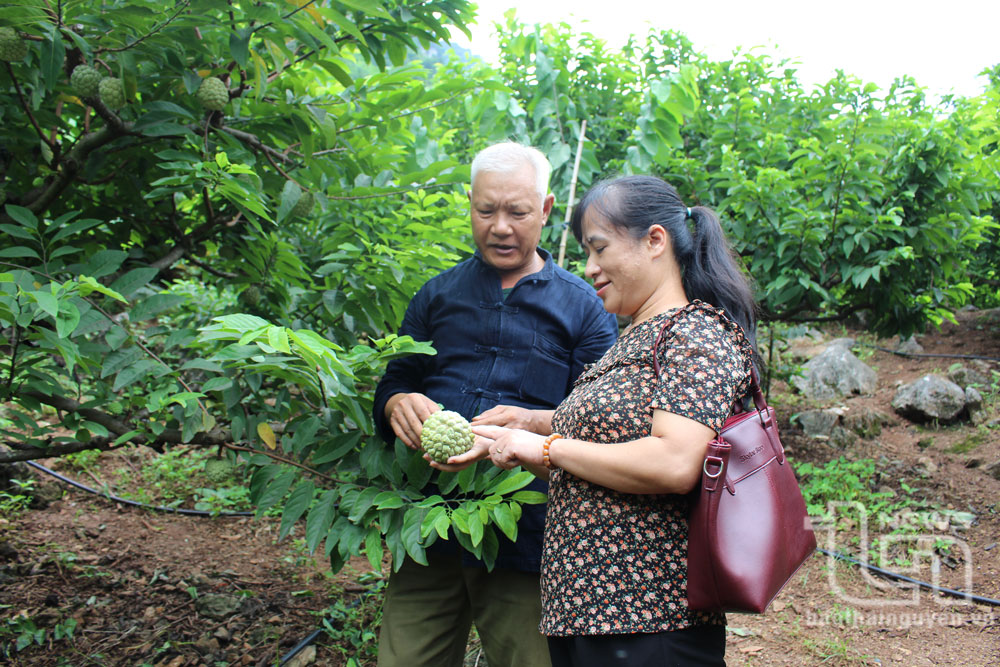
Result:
x=840 y=200
x=14 y=502
x=353 y=626
x=134 y=238
x=165 y=280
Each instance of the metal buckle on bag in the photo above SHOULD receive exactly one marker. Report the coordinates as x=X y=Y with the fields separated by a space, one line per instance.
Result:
x=715 y=460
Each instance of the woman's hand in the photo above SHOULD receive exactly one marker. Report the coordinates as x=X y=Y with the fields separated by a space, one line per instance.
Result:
x=512 y=416
x=509 y=448
x=479 y=450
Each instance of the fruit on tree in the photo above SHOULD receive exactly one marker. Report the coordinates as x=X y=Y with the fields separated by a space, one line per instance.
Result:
x=212 y=93
x=85 y=80
x=304 y=205
x=445 y=434
x=112 y=92
x=250 y=296
x=12 y=47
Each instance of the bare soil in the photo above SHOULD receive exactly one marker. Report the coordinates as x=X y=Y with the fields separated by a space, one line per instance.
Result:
x=136 y=581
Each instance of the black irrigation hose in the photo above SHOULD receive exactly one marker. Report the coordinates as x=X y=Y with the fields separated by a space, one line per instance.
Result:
x=134 y=503
x=83 y=487
x=309 y=639
x=922 y=584
x=930 y=354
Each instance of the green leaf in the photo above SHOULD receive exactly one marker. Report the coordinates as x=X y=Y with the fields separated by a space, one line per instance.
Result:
x=239 y=45
x=276 y=490
x=296 y=505
x=510 y=482
x=133 y=373
x=503 y=517
x=373 y=547
x=319 y=519
x=388 y=500
x=89 y=284
x=47 y=302
x=128 y=284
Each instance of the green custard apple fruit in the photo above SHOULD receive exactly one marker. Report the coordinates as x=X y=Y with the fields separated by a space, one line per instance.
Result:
x=217 y=470
x=250 y=296
x=12 y=47
x=213 y=94
x=85 y=80
x=446 y=434
x=304 y=205
x=112 y=92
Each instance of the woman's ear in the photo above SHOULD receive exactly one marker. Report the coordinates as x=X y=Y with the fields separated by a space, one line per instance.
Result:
x=658 y=240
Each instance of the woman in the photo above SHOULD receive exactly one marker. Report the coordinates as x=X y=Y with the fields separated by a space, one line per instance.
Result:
x=626 y=445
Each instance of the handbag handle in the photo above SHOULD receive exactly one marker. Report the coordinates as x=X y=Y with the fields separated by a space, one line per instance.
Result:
x=763 y=413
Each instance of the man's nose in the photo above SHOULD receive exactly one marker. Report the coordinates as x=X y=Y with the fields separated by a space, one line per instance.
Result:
x=503 y=225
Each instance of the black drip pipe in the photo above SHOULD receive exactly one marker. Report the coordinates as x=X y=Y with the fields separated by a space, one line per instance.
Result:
x=930 y=354
x=134 y=503
x=922 y=584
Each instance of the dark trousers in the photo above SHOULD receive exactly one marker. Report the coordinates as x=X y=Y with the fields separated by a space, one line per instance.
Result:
x=698 y=646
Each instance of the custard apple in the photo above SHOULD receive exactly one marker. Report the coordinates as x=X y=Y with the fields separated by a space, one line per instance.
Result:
x=112 y=92
x=218 y=470
x=304 y=205
x=213 y=94
x=85 y=80
x=250 y=296
x=446 y=434
x=12 y=47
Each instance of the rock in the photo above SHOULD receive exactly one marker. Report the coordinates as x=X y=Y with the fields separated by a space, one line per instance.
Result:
x=931 y=397
x=909 y=346
x=846 y=343
x=835 y=372
x=866 y=423
x=818 y=423
x=222 y=634
x=206 y=645
x=217 y=605
x=826 y=425
x=928 y=466
x=306 y=656
x=993 y=470
x=963 y=377
x=974 y=405
x=806 y=345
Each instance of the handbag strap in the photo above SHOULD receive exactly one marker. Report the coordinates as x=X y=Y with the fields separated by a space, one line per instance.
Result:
x=759 y=401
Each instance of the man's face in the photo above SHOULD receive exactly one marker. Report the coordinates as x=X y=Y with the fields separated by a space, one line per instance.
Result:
x=507 y=219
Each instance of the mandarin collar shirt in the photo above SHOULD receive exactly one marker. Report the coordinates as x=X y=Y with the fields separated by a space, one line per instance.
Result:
x=525 y=348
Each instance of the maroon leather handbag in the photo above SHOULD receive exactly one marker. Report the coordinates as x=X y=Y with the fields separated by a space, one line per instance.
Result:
x=748 y=530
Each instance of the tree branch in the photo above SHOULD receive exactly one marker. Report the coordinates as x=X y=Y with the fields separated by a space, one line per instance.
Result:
x=27 y=107
x=149 y=34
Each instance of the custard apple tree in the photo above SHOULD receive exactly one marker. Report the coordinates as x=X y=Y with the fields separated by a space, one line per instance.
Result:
x=214 y=216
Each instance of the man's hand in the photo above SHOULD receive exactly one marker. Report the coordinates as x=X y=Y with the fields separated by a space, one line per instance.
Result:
x=536 y=421
x=407 y=413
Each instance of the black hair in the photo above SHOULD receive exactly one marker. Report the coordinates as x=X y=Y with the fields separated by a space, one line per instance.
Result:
x=710 y=270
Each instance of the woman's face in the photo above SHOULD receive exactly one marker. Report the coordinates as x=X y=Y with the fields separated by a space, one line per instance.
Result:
x=619 y=265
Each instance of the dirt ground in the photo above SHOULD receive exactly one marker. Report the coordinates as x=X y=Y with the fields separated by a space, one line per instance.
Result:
x=148 y=588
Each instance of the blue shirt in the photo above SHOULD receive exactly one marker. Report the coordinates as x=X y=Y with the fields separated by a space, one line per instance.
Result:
x=526 y=350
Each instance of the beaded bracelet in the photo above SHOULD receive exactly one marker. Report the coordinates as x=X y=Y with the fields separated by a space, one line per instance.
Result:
x=545 y=449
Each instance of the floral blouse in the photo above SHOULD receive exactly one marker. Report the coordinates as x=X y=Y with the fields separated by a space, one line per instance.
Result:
x=616 y=563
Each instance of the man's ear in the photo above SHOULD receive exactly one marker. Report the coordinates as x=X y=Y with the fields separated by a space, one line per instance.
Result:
x=658 y=240
x=547 y=203
x=468 y=193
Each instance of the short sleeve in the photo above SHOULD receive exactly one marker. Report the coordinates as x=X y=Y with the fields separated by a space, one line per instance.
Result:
x=704 y=369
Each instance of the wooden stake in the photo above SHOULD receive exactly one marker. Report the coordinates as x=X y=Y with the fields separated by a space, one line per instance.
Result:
x=572 y=194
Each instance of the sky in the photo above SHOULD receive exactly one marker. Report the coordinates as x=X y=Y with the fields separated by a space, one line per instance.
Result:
x=943 y=45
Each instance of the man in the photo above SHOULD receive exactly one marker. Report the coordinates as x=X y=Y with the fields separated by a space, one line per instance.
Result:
x=512 y=332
